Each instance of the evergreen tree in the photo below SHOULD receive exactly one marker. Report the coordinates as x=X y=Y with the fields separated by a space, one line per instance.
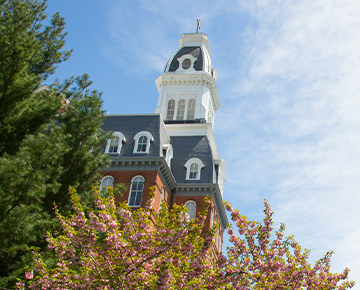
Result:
x=50 y=137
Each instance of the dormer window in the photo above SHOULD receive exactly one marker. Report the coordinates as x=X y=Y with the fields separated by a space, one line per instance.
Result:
x=194 y=171
x=193 y=167
x=186 y=63
x=114 y=144
x=142 y=142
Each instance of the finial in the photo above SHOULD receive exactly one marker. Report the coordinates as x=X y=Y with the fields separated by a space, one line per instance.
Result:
x=198 y=25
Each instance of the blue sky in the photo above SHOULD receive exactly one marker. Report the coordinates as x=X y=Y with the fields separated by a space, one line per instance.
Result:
x=288 y=80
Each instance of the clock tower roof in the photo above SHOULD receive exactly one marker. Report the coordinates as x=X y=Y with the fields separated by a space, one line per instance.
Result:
x=193 y=56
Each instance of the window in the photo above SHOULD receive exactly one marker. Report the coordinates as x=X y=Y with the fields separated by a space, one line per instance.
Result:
x=114 y=144
x=191 y=110
x=170 y=110
x=136 y=191
x=181 y=110
x=191 y=206
x=162 y=197
x=106 y=182
x=186 y=63
x=142 y=142
x=193 y=167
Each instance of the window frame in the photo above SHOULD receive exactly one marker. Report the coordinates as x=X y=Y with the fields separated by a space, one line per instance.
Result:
x=188 y=165
x=162 y=197
x=181 y=60
x=122 y=140
x=173 y=103
x=148 y=140
x=192 y=110
x=102 y=180
x=192 y=216
x=136 y=191
x=180 y=113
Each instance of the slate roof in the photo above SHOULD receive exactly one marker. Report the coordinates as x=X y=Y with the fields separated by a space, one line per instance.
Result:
x=184 y=147
x=130 y=125
x=195 y=51
x=187 y=147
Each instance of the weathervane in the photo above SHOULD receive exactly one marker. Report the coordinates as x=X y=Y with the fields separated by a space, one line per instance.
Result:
x=198 y=25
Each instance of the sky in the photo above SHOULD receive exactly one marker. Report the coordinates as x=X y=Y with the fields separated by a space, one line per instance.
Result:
x=288 y=81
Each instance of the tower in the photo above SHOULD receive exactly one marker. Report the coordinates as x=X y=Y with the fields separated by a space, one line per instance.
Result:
x=173 y=149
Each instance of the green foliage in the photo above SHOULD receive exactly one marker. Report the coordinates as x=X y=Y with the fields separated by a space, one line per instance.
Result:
x=50 y=137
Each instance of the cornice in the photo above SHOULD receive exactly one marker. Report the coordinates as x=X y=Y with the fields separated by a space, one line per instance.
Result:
x=144 y=163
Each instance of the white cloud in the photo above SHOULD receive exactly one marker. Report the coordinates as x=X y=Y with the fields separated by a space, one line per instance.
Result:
x=297 y=122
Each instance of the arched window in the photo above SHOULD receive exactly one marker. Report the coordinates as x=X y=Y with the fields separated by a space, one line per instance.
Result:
x=193 y=167
x=191 y=206
x=162 y=197
x=191 y=110
x=181 y=110
x=194 y=171
x=114 y=144
x=141 y=147
x=106 y=182
x=170 y=110
x=142 y=142
x=136 y=191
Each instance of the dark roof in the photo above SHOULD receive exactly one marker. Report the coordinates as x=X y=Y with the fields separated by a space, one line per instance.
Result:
x=130 y=125
x=187 y=147
x=195 y=51
x=184 y=147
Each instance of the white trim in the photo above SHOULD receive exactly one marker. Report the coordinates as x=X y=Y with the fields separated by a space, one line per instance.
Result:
x=122 y=139
x=142 y=192
x=200 y=165
x=149 y=138
x=181 y=60
x=169 y=153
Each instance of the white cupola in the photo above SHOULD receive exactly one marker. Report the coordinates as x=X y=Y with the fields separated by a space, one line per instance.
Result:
x=187 y=88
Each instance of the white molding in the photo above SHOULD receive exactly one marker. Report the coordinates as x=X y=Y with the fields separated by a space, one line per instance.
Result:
x=189 y=80
x=188 y=165
x=149 y=138
x=181 y=59
x=122 y=140
x=169 y=153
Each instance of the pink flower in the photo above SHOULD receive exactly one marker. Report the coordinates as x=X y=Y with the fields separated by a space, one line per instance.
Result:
x=29 y=275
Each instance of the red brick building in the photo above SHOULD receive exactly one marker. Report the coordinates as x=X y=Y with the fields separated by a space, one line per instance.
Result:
x=173 y=149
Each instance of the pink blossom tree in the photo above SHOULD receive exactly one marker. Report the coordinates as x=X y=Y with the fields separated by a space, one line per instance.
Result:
x=115 y=247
